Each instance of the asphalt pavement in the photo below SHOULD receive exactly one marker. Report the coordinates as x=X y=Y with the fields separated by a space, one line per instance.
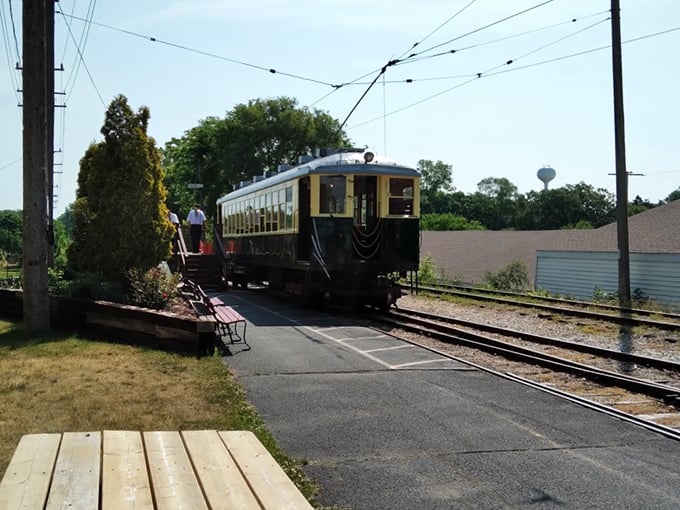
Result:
x=382 y=424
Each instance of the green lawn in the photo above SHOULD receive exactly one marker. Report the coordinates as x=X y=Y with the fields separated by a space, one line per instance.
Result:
x=62 y=382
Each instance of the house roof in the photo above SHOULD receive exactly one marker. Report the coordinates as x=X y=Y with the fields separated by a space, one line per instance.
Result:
x=467 y=255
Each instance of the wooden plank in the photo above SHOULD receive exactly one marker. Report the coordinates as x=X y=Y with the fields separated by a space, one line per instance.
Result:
x=266 y=477
x=27 y=478
x=75 y=483
x=125 y=480
x=221 y=480
x=175 y=485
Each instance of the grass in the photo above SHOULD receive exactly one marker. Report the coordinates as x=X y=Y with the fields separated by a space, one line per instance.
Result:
x=60 y=382
x=9 y=270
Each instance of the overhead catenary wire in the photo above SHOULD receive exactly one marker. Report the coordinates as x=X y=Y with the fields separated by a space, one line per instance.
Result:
x=442 y=25
x=201 y=52
x=513 y=60
x=395 y=61
x=489 y=25
x=500 y=39
x=526 y=66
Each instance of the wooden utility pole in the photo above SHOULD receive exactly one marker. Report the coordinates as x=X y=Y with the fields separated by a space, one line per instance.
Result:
x=35 y=174
x=49 y=136
x=621 y=173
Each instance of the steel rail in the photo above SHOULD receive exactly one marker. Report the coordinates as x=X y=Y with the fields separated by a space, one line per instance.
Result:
x=631 y=418
x=624 y=318
x=668 y=394
x=557 y=342
x=550 y=299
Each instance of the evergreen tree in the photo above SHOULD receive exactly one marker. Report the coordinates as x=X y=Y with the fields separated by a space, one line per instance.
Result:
x=120 y=217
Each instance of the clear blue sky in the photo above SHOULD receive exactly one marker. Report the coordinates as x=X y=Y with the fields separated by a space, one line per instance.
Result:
x=508 y=123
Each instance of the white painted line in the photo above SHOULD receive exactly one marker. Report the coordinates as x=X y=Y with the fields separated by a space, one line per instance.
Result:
x=366 y=337
x=366 y=354
x=359 y=351
x=389 y=348
x=424 y=362
x=328 y=329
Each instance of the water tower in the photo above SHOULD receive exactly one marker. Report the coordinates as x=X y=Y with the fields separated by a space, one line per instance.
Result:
x=546 y=174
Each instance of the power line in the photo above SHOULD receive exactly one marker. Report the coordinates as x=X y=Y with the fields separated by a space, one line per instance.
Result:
x=501 y=39
x=481 y=28
x=527 y=66
x=84 y=65
x=14 y=33
x=511 y=61
x=357 y=81
x=202 y=52
x=398 y=60
x=508 y=62
x=8 y=53
x=11 y=163
x=439 y=27
x=80 y=48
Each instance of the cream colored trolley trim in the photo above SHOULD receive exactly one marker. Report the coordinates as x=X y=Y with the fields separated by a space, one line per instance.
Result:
x=315 y=196
x=384 y=196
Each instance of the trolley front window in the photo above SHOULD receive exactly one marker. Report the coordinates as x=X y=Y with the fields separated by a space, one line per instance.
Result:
x=332 y=194
x=401 y=197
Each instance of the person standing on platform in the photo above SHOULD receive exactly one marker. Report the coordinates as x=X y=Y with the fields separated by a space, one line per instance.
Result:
x=196 y=219
x=175 y=238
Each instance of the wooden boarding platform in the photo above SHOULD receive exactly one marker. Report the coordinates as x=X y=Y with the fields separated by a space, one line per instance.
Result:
x=117 y=470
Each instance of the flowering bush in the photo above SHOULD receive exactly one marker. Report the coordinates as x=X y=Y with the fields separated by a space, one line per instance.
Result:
x=153 y=288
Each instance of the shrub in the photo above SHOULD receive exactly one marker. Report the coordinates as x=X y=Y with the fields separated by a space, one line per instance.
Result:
x=514 y=276
x=427 y=272
x=602 y=296
x=153 y=288
x=95 y=286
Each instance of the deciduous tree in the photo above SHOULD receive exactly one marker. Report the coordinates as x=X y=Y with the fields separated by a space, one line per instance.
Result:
x=10 y=232
x=251 y=139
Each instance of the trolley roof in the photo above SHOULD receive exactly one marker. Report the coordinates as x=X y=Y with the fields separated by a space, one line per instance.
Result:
x=351 y=162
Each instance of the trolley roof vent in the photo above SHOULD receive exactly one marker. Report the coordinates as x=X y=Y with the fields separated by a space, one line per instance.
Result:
x=304 y=158
x=283 y=168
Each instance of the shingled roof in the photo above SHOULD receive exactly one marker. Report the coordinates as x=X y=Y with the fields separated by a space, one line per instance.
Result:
x=467 y=255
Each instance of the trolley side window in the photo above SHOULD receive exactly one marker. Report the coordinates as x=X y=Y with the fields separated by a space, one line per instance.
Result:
x=332 y=194
x=289 y=208
x=401 y=197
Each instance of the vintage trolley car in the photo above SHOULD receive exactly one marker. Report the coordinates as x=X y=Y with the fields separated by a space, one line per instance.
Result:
x=340 y=227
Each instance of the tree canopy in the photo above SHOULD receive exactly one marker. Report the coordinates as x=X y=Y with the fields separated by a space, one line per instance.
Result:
x=435 y=184
x=120 y=216
x=251 y=139
x=10 y=233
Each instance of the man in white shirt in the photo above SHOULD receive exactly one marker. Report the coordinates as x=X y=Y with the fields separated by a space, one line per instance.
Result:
x=196 y=219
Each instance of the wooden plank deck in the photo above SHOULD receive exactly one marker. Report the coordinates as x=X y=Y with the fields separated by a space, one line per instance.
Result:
x=117 y=470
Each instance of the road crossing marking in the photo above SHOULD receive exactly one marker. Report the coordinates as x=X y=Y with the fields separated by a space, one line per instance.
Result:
x=389 y=348
x=423 y=362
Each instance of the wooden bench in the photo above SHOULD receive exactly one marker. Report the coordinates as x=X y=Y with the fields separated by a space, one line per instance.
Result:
x=228 y=321
x=197 y=469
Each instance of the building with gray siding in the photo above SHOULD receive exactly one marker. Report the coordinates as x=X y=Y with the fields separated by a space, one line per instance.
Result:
x=570 y=262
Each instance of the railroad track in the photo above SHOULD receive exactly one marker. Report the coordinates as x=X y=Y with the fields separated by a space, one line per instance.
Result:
x=633 y=317
x=655 y=403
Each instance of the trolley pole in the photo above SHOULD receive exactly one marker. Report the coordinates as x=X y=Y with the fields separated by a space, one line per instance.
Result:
x=621 y=173
x=36 y=299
